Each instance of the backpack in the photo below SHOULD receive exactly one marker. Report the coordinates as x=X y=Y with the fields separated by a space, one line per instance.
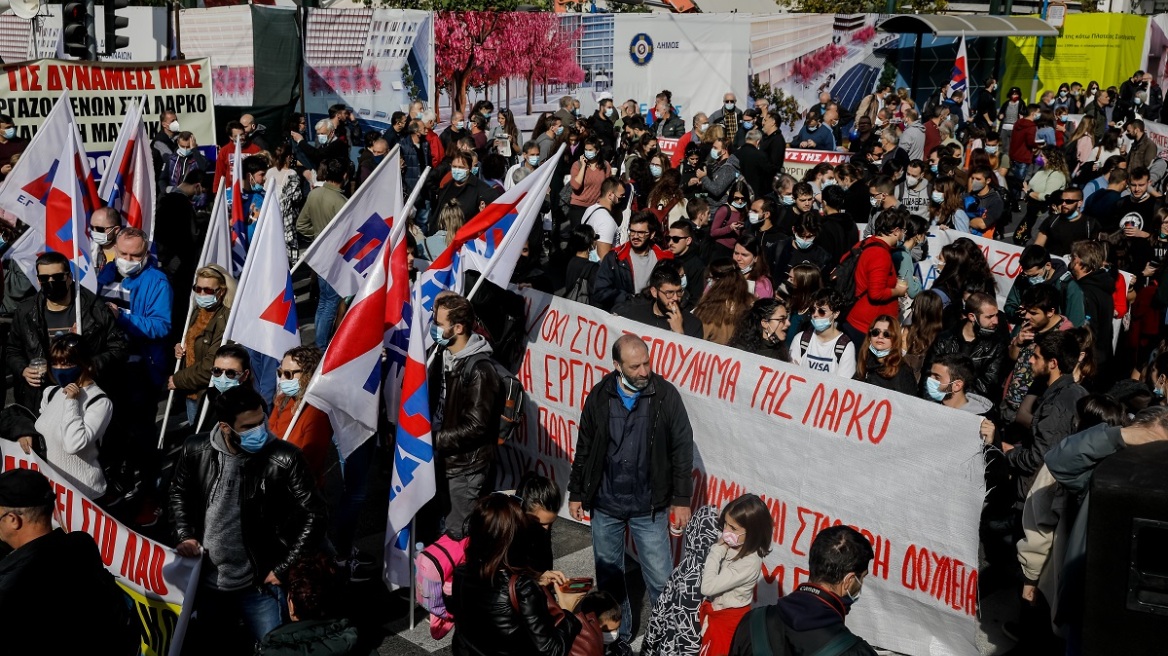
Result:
x=843 y=278
x=434 y=572
x=514 y=396
x=581 y=290
x=760 y=642
x=841 y=343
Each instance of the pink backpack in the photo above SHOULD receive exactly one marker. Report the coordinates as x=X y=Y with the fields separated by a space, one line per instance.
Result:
x=434 y=573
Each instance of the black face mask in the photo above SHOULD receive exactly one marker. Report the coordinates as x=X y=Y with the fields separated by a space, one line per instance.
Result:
x=56 y=291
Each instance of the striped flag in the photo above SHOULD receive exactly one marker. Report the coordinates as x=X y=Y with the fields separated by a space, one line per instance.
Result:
x=959 y=79
x=128 y=183
x=239 y=240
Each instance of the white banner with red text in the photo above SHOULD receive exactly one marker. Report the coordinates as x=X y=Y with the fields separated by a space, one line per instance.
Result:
x=820 y=450
x=796 y=162
x=100 y=93
x=160 y=582
x=1004 y=259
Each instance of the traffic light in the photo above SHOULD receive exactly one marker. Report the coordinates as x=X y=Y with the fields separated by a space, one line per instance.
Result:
x=77 y=30
x=113 y=23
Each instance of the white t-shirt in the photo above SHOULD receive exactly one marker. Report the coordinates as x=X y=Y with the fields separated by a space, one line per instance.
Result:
x=820 y=356
x=602 y=222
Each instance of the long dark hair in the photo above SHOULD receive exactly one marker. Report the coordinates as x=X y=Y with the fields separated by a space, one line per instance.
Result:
x=748 y=335
x=728 y=297
x=749 y=512
x=965 y=267
x=927 y=312
x=890 y=366
x=808 y=280
x=752 y=243
x=497 y=530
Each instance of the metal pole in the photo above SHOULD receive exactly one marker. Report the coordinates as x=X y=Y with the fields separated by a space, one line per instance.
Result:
x=916 y=65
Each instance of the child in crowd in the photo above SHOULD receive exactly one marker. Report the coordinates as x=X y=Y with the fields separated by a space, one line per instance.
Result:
x=732 y=570
x=600 y=618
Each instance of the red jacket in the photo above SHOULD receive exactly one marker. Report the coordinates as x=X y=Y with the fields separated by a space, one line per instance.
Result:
x=223 y=161
x=1022 y=141
x=679 y=153
x=875 y=278
x=932 y=137
x=437 y=151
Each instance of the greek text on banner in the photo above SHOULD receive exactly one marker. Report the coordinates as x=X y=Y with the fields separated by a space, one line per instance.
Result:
x=820 y=450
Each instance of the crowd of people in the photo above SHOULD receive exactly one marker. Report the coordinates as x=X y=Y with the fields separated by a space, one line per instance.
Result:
x=714 y=240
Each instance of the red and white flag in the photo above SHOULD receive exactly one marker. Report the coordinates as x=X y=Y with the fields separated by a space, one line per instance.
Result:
x=128 y=183
x=264 y=315
x=67 y=221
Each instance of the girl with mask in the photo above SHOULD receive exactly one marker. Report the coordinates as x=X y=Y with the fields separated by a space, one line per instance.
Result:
x=732 y=569
x=74 y=415
x=214 y=292
x=882 y=360
x=666 y=199
x=946 y=206
x=1049 y=177
x=753 y=266
x=763 y=330
x=312 y=433
x=730 y=218
x=803 y=282
x=905 y=257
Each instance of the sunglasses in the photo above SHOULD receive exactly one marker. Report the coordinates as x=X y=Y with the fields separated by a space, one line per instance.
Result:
x=779 y=319
x=95 y=228
x=1071 y=201
x=204 y=290
x=876 y=332
x=51 y=277
x=821 y=312
x=230 y=373
x=288 y=374
x=677 y=238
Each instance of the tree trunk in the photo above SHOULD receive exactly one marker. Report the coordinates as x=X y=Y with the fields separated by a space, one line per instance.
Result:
x=507 y=83
x=460 y=81
x=545 y=92
x=530 y=91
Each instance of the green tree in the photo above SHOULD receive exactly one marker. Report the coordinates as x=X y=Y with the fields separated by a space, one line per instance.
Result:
x=784 y=106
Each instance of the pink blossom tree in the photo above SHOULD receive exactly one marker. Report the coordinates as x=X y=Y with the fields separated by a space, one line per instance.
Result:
x=473 y=50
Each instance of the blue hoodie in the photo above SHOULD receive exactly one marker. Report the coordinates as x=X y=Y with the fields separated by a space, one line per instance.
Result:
x=147 y=322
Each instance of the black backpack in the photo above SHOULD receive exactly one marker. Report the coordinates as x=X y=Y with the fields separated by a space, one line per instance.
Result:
x=511 y=390
x=843 y=278
x=841 y=343
x=760 y=640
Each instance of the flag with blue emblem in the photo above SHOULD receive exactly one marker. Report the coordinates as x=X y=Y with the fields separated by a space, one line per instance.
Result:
x=239 y=240
x=346 y=251
x=490 y=243
x=263 y=316
x=959 y=78
x=67 y=220
x=128 y=183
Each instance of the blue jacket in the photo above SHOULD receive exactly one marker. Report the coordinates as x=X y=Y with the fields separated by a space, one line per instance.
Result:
x=147 y=323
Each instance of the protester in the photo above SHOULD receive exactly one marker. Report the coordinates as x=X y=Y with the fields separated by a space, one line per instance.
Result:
x=683 y=244
x=763 y=330
x=732 y=570
x=184 y=160
x=225 y=159
x=812 y=615
x=311 y=628
x=659 y=305
x=606 y=480
x=980 y=337
x=214 y=292
x=312 y=432
x=948 y=381
x=320 y=208
x=725 y=300
x=467 y=400
x=163 y=143
x=600 y=218
x=624 y=272
x=822 y=346
x=45 y=561
x=881 y=362
x=247 y=500
x=877 y=287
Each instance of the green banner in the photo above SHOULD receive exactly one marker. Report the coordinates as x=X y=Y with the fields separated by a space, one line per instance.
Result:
x=1106 y=48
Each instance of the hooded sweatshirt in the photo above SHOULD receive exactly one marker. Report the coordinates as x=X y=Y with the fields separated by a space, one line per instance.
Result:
x=227 y=566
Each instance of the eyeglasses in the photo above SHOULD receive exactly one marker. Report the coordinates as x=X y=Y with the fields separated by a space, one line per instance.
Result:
x=639 y=233
x=288 y=374
x=781 y=319
x=51 y=277
x=821 y=311
x=672 y=293
x=877 y=332
x=677 y=238
x=204 y=290
x=230 y=373
x=739 y=199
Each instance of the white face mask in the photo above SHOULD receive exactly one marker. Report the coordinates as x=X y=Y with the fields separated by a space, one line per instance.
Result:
x=611 y=637
x=912 y=180
x=174 y=126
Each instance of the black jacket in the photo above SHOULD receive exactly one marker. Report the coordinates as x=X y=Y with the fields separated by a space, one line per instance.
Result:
x=29 y=339
x=614 y=284
x=670 y=444
x=316 y=637
x=988 y=355
x=470 y=419
x=283 y=515
x=671 y=128
x=1099 y=306
x=756 y=169
x=1055 y=417
x=799 y=624
x=605 y=130
x=903 y=382
x=774 y=146
x=32 y=580
x=486 y=621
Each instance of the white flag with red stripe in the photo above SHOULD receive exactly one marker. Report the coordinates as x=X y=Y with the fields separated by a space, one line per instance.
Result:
x=128 y=184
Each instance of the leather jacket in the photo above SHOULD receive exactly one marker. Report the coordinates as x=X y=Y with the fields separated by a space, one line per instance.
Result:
x=469 y=433
x=485 y=621
x=283 y=515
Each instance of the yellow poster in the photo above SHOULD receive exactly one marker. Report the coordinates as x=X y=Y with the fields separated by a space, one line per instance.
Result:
x=1106 y=48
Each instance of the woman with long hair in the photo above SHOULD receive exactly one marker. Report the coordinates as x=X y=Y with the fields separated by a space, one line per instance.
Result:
x=918 y=337
x=312 y=432
x=881 y=360
x=504 y=137
x=724 y=301
x=802 y=283
x=748 y=255
x=588 y=173
x=963 y=269
x=763 y=330
x=1051 y=176
x=947 y=205
x=1085 y=369
x=450 y=219
x=666 y=199
x=1084 y=140
x=730 y=218
x=74 y=415
x=498 y=606
x=290 y=187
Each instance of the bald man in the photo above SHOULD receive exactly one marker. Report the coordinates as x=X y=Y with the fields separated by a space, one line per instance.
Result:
x=639 y=480
x=254 y=132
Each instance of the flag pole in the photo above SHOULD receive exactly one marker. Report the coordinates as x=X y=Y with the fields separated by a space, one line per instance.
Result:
x=413 y=582
x=75 y=265
x=333 y=224
x=187 y=327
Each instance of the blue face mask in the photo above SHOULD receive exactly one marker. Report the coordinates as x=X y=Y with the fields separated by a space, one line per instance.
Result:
x=820 y=324
x=10 y=133
x=788 y=200
x=746 y=125
x=254 y=439
x=66 y=375
x=475 y=169
x=459 y=174
x=655 y=170
x=933 y=387
x=459 y=125
x=881 y=353
x=533 y=160
x=559 y=130
x=223 y=383
x=289 y=387
x=933 y=168
x=739 y=204
x=589 y=154
x=257 y=187
x=206 y=301
x=322 y=139
x=377 y=158
x=593 y=256
x=439 y=338
x=803 y=244
x=1037 y=280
